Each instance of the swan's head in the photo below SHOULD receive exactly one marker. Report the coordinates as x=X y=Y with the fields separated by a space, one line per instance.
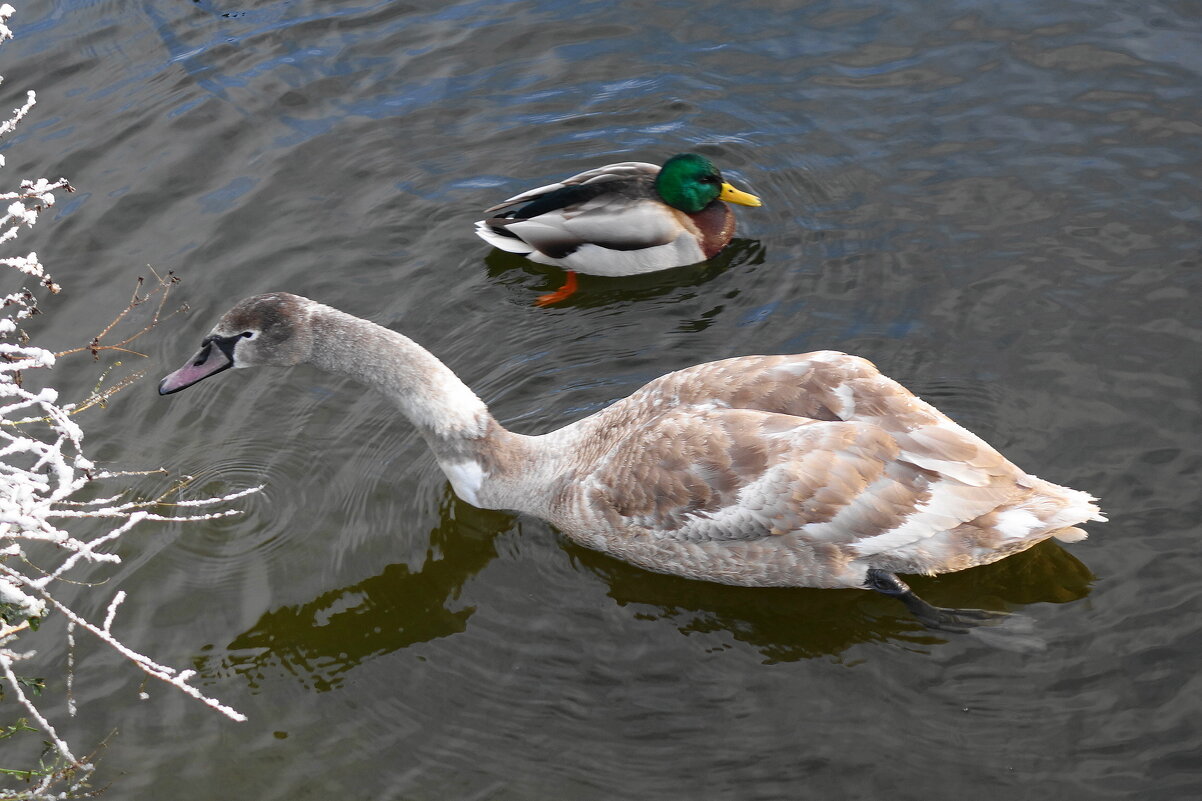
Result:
x=264 y=329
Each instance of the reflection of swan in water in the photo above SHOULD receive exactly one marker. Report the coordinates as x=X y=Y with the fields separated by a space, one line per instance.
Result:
x=787 y=624
x=812 y=470
x=321 y=641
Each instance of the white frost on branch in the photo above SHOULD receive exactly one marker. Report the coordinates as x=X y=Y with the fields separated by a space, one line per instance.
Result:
x=48 y=534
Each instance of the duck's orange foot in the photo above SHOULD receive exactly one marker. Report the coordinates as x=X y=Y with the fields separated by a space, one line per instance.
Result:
x=563 y=293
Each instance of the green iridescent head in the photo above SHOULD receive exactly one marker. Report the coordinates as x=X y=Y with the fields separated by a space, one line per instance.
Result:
x=691 y=182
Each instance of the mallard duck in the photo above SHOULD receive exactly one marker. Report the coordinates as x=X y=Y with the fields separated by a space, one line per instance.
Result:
x=620 y=219
x=804 y=471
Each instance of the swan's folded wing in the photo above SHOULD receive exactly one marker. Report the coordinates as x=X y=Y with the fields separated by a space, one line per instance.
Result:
x=827 y=385
x=730 y=474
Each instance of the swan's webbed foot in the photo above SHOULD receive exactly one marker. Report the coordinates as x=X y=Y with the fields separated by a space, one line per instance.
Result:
x=933 y=617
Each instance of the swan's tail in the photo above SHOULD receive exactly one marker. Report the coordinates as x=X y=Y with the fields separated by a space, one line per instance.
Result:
x=1079 y=507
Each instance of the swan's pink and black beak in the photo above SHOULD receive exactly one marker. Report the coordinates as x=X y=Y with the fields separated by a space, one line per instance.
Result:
x=216 y=354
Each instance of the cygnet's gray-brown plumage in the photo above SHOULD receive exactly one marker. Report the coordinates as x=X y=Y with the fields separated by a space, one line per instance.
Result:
x=811 y=470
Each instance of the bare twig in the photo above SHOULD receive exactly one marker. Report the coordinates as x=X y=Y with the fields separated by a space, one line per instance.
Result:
x=162 y=288
x=100 y=396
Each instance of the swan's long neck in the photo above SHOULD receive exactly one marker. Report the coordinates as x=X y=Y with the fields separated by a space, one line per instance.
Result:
x=477 y=454
x=427 y=391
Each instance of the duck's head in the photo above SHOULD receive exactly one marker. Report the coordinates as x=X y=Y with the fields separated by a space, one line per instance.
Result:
x=691 y=182
x=264 y=329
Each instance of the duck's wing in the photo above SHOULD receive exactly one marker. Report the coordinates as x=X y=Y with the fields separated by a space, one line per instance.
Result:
x=614 y=222
x=609 y=174
x=614 y=207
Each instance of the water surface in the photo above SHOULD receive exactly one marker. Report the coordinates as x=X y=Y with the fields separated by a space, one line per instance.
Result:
x=996 y=203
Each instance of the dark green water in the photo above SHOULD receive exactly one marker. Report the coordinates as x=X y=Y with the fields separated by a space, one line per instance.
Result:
x=998 y=203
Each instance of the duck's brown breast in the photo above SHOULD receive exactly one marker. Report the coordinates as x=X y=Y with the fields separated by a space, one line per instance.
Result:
x=715 y=226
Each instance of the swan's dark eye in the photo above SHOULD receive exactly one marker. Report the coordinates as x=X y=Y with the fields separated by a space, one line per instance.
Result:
x=248 y=334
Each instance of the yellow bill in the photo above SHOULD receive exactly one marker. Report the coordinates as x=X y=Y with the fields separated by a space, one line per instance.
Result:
x=732 y=195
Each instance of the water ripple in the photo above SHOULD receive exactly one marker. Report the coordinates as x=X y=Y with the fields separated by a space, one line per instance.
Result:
x=997 y=203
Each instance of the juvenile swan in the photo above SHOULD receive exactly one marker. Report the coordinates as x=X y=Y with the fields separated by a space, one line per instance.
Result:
x=811 y=471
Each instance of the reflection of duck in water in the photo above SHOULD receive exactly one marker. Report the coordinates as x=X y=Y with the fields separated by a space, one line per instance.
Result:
x=621 y=219
x=811 y=470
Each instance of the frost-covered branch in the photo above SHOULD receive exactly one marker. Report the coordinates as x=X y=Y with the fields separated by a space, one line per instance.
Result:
x=176 y=678
x=53 y=532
